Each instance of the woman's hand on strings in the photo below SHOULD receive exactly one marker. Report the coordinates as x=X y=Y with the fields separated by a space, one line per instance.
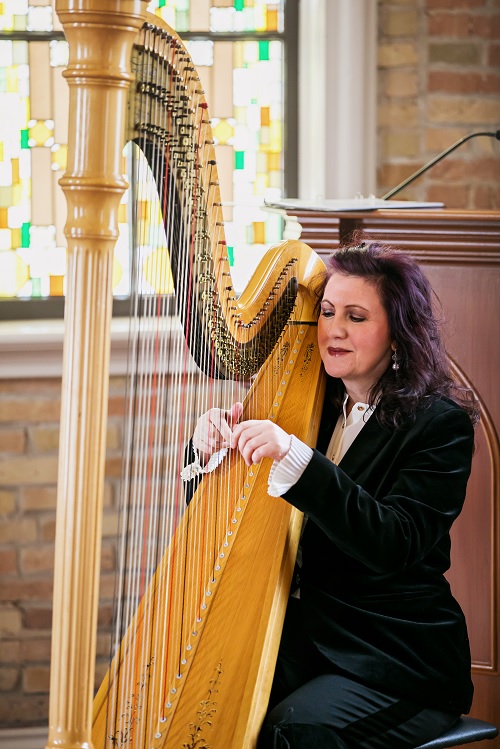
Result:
x=258 y=439
x=214 y=429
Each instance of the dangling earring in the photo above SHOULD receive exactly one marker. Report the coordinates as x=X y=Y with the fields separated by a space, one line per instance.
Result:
x=395 y=364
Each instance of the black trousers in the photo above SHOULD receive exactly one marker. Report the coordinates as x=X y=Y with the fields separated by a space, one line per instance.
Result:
x=313 y=708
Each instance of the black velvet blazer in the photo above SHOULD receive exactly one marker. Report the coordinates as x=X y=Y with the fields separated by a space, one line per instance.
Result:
x=374 y=552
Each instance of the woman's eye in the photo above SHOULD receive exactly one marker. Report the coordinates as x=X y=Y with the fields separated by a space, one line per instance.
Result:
x=327 y=313
x=354 y=318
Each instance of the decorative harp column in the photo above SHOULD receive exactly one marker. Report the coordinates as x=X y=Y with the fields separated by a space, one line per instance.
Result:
x=100 y=34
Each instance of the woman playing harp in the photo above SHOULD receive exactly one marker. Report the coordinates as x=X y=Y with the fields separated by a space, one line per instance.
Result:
x=374 y=651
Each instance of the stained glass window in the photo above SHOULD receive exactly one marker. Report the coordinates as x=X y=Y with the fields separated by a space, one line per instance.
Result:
x=238 y=49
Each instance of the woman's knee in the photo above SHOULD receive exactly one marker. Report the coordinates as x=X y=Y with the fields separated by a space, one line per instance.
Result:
x=289 y=734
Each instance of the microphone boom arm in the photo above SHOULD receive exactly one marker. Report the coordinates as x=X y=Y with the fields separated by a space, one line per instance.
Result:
x=414 y=176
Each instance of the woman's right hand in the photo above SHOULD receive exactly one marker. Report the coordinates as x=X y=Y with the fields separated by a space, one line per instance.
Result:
x=214 y=428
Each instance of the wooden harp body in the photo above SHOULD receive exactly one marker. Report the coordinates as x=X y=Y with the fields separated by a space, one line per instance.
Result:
x=195 y=663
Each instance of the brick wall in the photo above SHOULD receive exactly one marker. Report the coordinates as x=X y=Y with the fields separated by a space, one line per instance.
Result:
x=439 y=80
x=29 y=448
x=29 y=431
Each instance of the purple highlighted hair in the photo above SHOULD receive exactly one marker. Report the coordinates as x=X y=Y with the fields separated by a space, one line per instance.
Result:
x=424 y=371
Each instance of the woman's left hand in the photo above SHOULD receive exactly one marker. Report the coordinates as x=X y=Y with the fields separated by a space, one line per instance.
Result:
x=257 y=439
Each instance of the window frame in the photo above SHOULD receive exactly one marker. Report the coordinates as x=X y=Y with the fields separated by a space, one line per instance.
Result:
x=50 y=308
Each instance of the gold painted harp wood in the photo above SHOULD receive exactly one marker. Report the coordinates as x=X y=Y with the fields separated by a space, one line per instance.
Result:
x=226 y=679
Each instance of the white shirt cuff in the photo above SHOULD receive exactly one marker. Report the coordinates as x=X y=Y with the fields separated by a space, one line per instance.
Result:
x=286 y=472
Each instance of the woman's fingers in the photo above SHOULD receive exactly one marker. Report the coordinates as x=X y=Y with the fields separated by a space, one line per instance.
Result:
x=220 y=431
x=223 y=421
x=234 y=413
x=206 y=433
x=214 y=428
x=258 y=439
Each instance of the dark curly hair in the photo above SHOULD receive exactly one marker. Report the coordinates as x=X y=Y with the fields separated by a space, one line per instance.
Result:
x=424 y=373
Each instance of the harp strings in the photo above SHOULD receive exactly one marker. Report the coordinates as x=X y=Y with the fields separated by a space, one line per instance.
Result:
x=164 y=391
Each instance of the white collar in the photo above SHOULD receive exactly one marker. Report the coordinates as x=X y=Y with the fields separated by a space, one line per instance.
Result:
x=358 y=410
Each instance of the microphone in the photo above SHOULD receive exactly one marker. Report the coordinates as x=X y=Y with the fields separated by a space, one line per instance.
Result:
x=414 y=176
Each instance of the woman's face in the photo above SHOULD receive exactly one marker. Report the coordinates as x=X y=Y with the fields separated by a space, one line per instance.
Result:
x=353 y=333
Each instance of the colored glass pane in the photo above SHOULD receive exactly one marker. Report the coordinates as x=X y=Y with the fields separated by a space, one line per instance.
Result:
x=263 y=50
x=36 y=288
x=58 y=53
x=273 y=162
x=202 y=52
x=156 y=269
x=272 y=19
x=239 y=159
x=59 y=157
x=41 y=133
x=40 y=18
x=223 y=130
x=259 y=232
x=13 y=15
x=56 y=285
x=13 y=273
x=173 y=12
x=25 y=235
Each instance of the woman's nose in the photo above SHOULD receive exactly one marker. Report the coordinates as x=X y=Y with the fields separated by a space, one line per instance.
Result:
x=336 y=328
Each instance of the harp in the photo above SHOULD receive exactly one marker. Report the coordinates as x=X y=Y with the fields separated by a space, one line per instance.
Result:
x=194 y=662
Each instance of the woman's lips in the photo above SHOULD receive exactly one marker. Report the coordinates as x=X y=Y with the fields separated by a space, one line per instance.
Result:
x=337 y=351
